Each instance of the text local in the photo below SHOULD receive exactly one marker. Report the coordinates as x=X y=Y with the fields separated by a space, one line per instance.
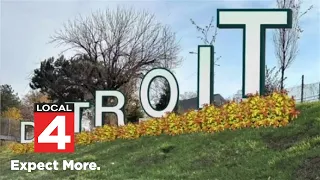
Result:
x=53 y=108
x=253 y=22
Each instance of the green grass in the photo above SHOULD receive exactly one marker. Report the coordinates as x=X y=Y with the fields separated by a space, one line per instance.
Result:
x=292 y=152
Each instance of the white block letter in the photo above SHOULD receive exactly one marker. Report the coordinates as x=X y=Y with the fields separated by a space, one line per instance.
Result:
x=115 y=109
x=77 y=115
x=205 y=74
x=254 y=23
x=23 y=132
x=144 y=91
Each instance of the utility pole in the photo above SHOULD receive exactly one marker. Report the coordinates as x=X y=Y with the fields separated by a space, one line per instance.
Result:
x=302 y=87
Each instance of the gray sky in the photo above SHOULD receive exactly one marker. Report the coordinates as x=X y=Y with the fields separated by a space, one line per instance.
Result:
x=27 y=25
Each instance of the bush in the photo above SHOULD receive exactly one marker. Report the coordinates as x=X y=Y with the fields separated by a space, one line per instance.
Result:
x=19 y=148
x=276 y=110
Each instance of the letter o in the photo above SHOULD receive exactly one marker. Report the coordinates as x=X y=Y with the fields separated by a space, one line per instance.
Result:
x=144 y=91
x=44 y=107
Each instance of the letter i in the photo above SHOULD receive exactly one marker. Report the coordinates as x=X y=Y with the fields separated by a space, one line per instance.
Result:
x=205 y=74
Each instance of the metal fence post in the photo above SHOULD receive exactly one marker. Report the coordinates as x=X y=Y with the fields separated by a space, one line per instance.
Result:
x=302 y=87
x=319 y=91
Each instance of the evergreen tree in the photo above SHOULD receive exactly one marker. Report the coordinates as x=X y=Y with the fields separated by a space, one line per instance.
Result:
x=9 y=98
x=165 y=98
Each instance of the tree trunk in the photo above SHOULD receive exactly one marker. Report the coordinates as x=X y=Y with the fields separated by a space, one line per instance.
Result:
x=284 y=53
x=282 y=79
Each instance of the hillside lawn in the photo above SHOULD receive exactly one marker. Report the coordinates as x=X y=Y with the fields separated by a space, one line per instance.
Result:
x=292 y=152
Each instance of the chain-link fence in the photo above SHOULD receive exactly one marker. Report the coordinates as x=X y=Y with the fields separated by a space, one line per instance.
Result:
x=10 y=131
x=303 y=93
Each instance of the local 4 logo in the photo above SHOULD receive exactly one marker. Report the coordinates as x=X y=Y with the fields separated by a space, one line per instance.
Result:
x=53 y=128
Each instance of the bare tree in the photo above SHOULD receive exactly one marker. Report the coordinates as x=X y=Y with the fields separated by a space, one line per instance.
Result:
x=27 y=106
x=237 y=96
x=208 y=36
x=272 y=81
x=188 y=95
x=286 y=40
x=121 y=43
x=120 y=46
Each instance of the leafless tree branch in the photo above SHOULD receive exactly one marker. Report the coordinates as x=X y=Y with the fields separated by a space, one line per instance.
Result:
x=286 y=40
x=120 y=44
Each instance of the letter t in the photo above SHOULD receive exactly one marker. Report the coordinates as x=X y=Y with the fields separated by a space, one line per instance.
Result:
x=254 y=23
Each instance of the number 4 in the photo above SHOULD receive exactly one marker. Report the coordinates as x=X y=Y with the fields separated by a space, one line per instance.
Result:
x=61 y=139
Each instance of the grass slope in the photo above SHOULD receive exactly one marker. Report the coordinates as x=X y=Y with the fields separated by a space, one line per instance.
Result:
x=292 y=152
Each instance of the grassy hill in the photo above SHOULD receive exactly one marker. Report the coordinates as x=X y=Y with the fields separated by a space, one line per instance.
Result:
x=292 y=152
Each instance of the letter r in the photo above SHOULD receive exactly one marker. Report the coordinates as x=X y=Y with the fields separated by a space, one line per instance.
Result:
x=99 y=109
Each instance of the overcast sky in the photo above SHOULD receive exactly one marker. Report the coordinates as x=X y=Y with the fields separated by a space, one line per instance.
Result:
x=27 y=25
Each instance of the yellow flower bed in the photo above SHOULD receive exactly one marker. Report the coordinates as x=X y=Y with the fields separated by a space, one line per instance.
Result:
x=276 y=110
